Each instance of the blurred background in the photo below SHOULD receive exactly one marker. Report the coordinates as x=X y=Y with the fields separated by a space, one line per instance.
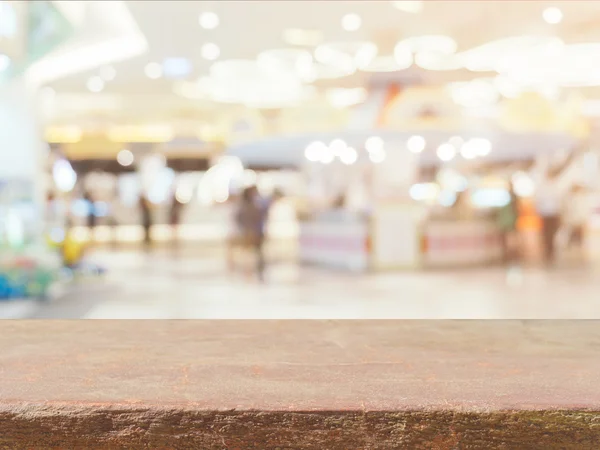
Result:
x=333 y=159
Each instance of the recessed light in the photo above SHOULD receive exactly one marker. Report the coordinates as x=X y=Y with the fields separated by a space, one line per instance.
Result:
x=210 y=51
x=95 y=84
x=108 y=73
x=209 y=20
x=351 y=22
x=153 y=70
x=552 y=15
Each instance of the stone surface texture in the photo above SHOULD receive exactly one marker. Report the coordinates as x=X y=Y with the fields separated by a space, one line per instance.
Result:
x=300 y=384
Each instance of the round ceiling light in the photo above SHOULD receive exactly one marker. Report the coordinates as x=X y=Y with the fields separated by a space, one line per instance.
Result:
x=416 y=144
x=153 y=70
x=125 y=158
x=314 y=151
x=552 y=15
x=446 y=152
x=210 y=51
x=95 y=84
x=351 y=22
x=208 y=20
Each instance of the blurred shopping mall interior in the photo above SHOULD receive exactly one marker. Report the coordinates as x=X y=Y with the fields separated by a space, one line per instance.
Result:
x=380 y=159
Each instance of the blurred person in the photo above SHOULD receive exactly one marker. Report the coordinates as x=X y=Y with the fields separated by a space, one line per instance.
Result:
x=462 y=208
x=175 y=213
x=548 y=202
x=577 y=212
x=91 y=218
x=146 y=212
x=234 y=233
x=507 y=219
x=249 y=220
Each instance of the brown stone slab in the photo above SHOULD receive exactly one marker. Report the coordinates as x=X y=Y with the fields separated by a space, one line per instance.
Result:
x=299 y=384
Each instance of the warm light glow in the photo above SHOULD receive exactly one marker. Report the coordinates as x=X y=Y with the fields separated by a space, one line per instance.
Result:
x=95 y=84
x=158 y=133
x=552 y=15
x=292 y=61
x=249 y=83
x=468 y=150
x=153 y=70
x=63 y=135
x=403 y=55
x=301 y=37
x=210 y=51
x=446 y=152
x=343 y=98
x=437 y=61
x=432 y=43
x=346 y=57
x=125 y=157
x=383 y=64
x=351 y=22
x=409 y=6
x=208 y=20
x=416 y=144
x=523 y=185
x=473 y=94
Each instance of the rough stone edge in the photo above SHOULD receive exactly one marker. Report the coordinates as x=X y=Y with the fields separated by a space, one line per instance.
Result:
x=34 y=427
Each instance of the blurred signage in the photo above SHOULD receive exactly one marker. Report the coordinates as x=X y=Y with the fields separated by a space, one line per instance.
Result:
x=92 y=147
x=420 y=107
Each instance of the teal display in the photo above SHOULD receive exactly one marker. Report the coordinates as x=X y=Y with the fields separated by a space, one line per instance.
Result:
x=29 y=281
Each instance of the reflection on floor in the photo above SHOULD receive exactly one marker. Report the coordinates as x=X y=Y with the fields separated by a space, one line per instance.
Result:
x=160 y=286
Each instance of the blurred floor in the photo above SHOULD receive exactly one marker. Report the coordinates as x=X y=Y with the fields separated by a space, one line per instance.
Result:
x=196 y=285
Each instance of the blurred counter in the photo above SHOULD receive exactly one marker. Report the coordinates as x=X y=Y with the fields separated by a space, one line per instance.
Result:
x=397 y=236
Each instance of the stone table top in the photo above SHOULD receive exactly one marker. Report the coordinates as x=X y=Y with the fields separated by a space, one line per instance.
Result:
x=64 y=368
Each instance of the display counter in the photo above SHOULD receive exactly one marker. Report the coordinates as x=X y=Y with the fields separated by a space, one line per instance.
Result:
x=454 y=243
x=337 y=239
x=397 y=237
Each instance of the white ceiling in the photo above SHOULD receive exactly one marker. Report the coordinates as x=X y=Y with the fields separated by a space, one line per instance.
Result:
x=249 y=27
x=246 y=28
